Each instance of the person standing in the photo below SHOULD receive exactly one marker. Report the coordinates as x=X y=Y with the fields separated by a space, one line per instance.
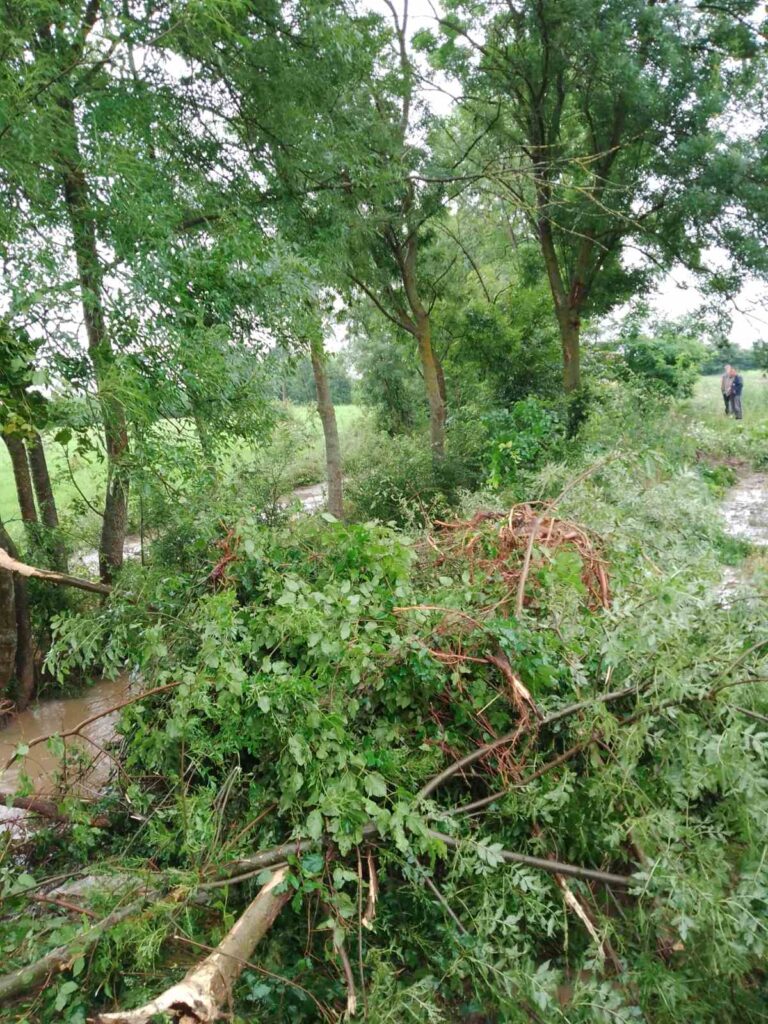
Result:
x=726 y=387
x=737 y=386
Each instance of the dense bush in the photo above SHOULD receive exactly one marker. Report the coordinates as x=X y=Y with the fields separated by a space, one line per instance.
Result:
x=398 y=481
x=664 y=358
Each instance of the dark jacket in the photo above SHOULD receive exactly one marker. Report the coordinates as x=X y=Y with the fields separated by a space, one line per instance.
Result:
x=738 y=384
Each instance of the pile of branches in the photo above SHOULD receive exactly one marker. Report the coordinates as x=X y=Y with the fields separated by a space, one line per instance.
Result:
x=500 y=546
x=501 y=552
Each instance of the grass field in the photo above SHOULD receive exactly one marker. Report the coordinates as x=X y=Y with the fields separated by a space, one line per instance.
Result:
x=296 y=453
x=707 y=402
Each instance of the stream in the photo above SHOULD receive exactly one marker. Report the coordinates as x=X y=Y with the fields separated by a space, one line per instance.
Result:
x=745 y=510
x=57 y=715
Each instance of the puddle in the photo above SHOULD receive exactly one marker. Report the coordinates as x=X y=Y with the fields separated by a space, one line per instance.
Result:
x=312 y=497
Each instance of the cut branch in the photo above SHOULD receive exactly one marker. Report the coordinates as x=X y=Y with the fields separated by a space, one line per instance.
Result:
x=25 y=978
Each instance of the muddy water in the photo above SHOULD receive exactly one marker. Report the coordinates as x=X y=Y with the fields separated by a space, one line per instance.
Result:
x=745 y=509
x=56 y=716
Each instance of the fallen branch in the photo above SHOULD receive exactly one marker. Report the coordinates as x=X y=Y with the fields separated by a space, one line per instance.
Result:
x=475 y=755
x=201 y=996
x=340 y=949
x=61 y=578
x=552 y=867
x=46 y=809
x=18 y=981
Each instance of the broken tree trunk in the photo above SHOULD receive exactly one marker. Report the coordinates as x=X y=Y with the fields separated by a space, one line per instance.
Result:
x=203 y=994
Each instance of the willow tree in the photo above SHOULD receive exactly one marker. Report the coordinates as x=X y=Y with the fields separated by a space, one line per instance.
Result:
x=601 y=120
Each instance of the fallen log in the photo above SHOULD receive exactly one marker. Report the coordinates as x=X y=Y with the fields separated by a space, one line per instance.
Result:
x=203 y=994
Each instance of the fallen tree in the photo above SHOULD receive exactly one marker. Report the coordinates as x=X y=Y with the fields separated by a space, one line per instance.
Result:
x=201 y=997
x=381 y=703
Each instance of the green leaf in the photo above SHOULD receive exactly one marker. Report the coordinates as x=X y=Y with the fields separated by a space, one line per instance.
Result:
x=315 y=825
x=375 y=785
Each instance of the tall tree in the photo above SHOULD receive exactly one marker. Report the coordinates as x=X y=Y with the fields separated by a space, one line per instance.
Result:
x=392 y=202
x=600 y=120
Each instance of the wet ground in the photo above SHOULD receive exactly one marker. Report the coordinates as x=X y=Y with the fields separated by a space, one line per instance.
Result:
x=745 y=509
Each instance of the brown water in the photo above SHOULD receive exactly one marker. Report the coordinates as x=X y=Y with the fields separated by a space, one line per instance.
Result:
x=48 y=717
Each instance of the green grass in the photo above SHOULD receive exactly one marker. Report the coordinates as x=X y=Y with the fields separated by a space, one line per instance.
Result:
x=707 y=402
x=296 y=452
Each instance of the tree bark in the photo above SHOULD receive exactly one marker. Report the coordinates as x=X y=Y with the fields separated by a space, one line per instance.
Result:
x=330 y=431
x=24 y=490
x=8 y=632
x=201 y=996
x=434 y=380
x=83 y=226
x=432 y=371
x=23 y=654
x=570 y=331
x=46 y=501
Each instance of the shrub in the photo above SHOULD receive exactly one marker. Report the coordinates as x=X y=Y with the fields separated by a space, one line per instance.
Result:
x=521 y=439
x=666 y=360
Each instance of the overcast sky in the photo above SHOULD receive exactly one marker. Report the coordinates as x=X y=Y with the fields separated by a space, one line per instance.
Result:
x=677 y=294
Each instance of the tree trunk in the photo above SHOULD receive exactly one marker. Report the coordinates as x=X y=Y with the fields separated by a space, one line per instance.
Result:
x=7 y=631
x=47 y=502
x=24 y=491
x=16 y=617
x=431 y=369
x=83 y=225
x=432 y=372
x=330 y=431
x=570 y=330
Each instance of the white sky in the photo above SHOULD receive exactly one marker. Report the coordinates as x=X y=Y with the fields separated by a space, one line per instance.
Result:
x=677 y=294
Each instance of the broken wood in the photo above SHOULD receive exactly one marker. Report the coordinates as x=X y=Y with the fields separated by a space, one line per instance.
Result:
x=61 y=578
x=203 y=994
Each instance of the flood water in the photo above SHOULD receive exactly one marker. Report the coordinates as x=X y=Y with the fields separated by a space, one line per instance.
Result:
x=745 y=509
x=56 y=716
